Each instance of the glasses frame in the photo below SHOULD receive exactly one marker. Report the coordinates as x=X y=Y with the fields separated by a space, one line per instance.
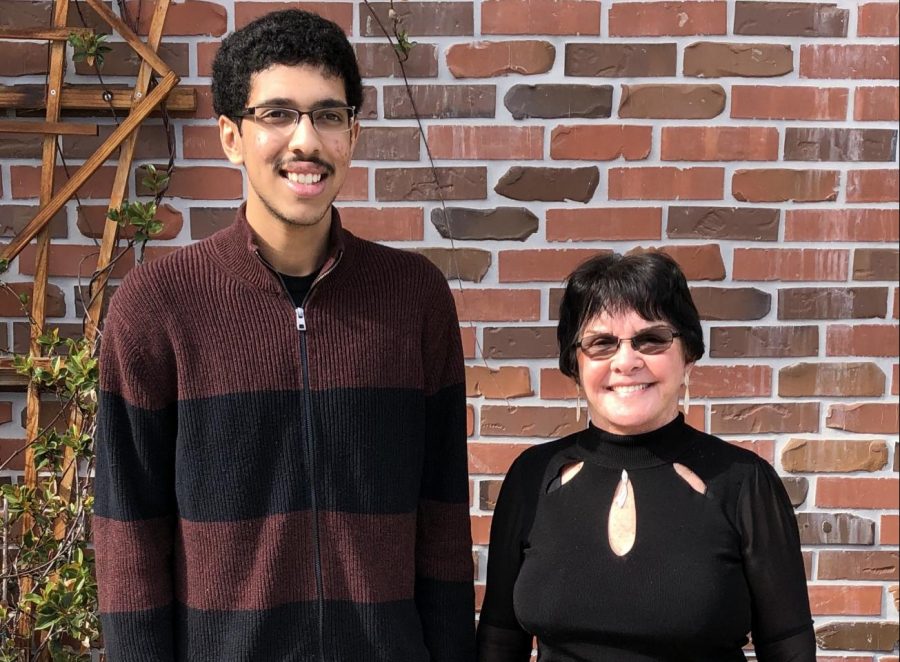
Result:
x=579 y=344
x=351 y=111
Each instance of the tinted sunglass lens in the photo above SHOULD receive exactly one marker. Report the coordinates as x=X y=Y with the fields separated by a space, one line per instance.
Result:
x=653 y=342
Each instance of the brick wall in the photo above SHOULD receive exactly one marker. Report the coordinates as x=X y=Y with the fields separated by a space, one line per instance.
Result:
x=754 y=141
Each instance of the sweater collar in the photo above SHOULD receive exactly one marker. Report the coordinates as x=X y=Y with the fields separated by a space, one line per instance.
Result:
x=639 y=451
x=237 y=248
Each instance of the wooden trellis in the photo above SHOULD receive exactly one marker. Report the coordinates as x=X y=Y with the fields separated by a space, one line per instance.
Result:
x=140 y=102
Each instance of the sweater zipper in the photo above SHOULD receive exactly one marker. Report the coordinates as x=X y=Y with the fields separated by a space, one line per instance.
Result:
x=300 y=321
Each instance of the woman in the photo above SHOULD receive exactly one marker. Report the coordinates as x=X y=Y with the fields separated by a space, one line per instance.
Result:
x=640 y=538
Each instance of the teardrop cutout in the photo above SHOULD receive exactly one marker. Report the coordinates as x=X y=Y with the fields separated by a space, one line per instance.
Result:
x=622 y=524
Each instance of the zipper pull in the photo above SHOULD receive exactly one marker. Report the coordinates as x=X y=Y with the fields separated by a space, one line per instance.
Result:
x=301 y=319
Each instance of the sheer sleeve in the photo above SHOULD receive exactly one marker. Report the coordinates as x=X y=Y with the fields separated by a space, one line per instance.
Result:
x=782 y=628
x=500 y=637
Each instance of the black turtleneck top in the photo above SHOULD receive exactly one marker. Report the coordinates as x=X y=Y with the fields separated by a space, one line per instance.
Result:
x=705 y=571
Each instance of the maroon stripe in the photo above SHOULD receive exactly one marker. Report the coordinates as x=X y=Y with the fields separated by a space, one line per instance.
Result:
x=444 y=541
x=262 y=563
x=132 y=563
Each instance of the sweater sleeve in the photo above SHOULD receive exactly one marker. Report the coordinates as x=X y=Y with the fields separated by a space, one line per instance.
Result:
x=782 y=628
x=134 y=519
x=500 y=637
x=444 y=592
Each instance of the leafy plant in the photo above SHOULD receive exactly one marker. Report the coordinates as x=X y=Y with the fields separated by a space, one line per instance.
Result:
x=89 y=47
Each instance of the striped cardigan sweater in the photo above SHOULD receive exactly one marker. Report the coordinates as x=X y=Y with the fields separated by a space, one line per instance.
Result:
x=266 y=492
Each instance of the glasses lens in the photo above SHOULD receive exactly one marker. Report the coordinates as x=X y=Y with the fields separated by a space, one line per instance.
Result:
x=279 y=118
x=332 y=119
x=600 y=347
x=654 y=341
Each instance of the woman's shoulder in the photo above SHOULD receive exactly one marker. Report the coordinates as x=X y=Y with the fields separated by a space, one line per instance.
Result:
x=534 y=463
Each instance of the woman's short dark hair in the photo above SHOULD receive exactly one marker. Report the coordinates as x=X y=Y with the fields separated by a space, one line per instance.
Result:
x=650 y=284
x=288 y=37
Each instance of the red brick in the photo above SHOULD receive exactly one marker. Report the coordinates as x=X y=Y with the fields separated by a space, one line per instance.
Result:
x=494 y=383
x=203 y=183
x=870 y=417
x=469 y=341
x=607 y=223
x=481 y=529
x=698 y=143
x=733 y=381
x=487 y=59
x=92 y=222
x=23 y=59
x=781 y=185
x=889 y=530
x=523 y=266
x=757 y=418
x=878 y=19
x=842 y=225
x=849 y=61
x=339 y=12
x=862 y=340
x=666 y=183
x=697 y=261
x=765 y=448
x=545 y=422
x=864 y=493
x=593 y=142
x=493 y=458
x=72 y=260
x=470 y=421
x=5 y=412
x=495 y=305
x=873 y=186
x=418 y=18
x=11 y=305
x=877 y=103
x=791 y=264
x=656 y=19
x=772 y=102
x=486 y=142
x=556 y=17
x=201 y=142
x=203 y=96
x=10 y=448
x=356 y=186
x=556 y=386
x=206 y=52
x=830 y=600
x=26 y=181
x=384 y=223
x=196 y=17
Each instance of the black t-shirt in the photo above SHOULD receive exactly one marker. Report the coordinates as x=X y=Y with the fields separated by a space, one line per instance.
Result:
x=298 y=286
x=705 y=570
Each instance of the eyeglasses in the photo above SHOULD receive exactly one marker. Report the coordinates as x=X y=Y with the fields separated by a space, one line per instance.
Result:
x=649 y=341
x=333 y=119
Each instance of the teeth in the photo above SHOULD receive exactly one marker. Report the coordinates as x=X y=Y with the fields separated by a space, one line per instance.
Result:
x=301 y=178
x=629 y=389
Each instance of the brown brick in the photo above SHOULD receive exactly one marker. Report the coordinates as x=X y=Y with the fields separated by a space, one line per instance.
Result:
x=503 y=382
x=839 y=455
x=14 y=217
x=469 y=264
x=91 y=220
x=698 y=261
x=655 y=19
x=549 y=184
x=496 y=305
x=709 y=59
x=419 y=184
x=831 y=379
x=520 y=342
x=122 y=60
x=731 y=381
x=207 y=220
x=379 y=60
x=876 y=103
x=788 y=102
x=202 y=183
x=488 y=492
x=789 y=19
x=554 y=302
x=859 y=566
x=493 y=458
x=556 y=17
x=184 y=19
x=890 y=530
x=22 y=330
x=790 y=264
x=593 y=142
x=338 y=12
x=876 y=264
x=666 y=183
x=439 y=101
x=516 y=223
x=763 y=341
x=387 y=143
x=756 y=418
x=733 y=303
x=606 y=223
x=873 y=186
x=522 y=266
x=842 y=225
x=559 y=101
x=486 y=142
x=20 y=146
x=831 y=600
x=747 y=223
x=878 y=19
x=356 y=186
x=556 y=386
x=832 y=303
x=23 y=59
x=384 y=223
x=864 y=493
x=672 y=101
x=871 y=418
x=488 y=59
x=782 y=185
x=797 y=489
x=548 y=422
x=11 y=306
x=19 y=14
x=420 y=18
x=72 y=260
x=369 y=110
x=206 y=53
x=152 y=142
x=835 y=529
x=26 y=181
x=862 y=340
x=620 y=60
x=820 y=144
x=699 y=143
x=854 y=61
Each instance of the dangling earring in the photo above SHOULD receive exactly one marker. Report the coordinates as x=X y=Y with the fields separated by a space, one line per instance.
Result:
x=687 y=393
x=578 y=406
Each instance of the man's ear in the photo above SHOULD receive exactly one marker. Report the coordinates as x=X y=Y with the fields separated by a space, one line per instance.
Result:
x=231 y=139
x=354 y=136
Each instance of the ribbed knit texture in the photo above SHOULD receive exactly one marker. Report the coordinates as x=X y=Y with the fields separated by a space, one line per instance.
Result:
x=204 y=519
x=705 y=570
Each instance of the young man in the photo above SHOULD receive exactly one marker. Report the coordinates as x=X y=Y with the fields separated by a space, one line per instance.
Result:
x=281 y=467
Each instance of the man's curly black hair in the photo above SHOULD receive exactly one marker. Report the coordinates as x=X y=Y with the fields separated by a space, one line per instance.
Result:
x=288 y=37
